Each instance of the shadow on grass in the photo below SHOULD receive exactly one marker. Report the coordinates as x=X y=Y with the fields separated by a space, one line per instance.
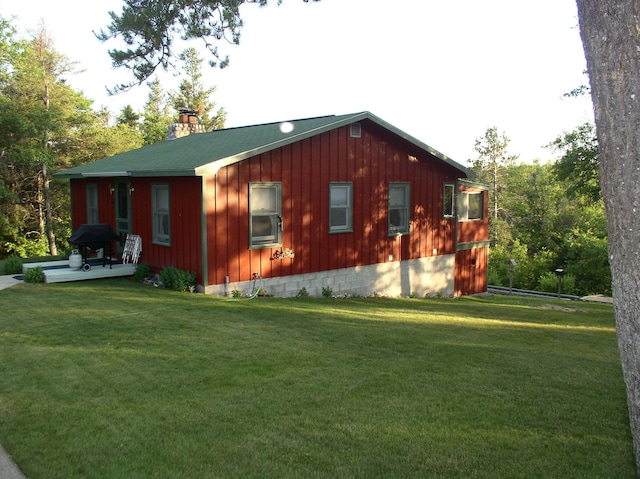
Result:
x=115 y=379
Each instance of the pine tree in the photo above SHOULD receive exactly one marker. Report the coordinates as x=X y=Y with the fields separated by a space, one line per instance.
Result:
x=193 y=95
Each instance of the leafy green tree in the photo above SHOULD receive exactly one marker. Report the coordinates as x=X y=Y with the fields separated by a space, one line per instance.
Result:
x=584 y=251
x=35 y=101
x=193 y=95
x=45 y=126
x=150 y=28
x=533 y=199
x=578 y=166
x=546 y=228
x=155 y=115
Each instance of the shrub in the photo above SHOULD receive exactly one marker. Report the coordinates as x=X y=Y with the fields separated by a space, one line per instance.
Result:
x=34 y=275
x=177 y=279
x=236 y=293
x=303 y=293
x=548 y=282
x=12 y=265
x=143 y=271
x=327 y=291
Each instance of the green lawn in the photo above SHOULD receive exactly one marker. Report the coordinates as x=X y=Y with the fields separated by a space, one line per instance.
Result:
x=111 y=379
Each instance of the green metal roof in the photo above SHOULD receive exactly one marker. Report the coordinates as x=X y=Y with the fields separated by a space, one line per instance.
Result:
x=203 y=153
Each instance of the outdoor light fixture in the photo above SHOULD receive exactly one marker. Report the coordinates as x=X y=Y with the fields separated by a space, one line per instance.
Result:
x=111 y=189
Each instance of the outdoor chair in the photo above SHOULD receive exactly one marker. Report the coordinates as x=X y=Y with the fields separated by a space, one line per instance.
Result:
x=132 y=249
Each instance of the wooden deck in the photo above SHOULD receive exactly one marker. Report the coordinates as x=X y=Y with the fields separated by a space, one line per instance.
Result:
x=59 y=271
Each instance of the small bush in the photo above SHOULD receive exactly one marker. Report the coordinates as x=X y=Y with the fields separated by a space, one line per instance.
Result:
x=34 y=275
x=236 y=293
x=12 y=265
x=327 y=291
x=303 y=293
x=177 y=279
x=548 y=282
x=143 y=271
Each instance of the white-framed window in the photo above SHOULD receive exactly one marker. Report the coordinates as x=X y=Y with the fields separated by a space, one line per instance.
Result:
x=471 y=205
x=448 y=200
x=93 y=216
x=161 y=214
x=398 y=208
x=265 y=215
x=340 y=209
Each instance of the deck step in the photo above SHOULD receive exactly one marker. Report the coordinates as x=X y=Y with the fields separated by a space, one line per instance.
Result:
x=63 y=263
x=63 y=275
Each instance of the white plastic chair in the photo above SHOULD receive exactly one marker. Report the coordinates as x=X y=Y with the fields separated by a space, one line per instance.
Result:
x=132 y=249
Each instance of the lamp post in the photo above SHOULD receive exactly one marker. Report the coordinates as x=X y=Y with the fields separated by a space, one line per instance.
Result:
x=560 y=273
x=512 y=267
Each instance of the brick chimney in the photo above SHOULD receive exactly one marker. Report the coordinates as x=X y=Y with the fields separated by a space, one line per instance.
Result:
x=187 y=125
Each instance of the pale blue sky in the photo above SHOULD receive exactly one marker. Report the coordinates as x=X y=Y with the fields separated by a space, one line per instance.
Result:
x=441 y=71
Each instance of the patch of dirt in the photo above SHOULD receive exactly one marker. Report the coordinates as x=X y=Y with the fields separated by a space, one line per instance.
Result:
x=598 y=298
x=558 y=308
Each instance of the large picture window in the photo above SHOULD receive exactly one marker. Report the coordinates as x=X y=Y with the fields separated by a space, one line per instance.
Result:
x=398 y=208
x=161 y=214
x=265 y=215
x=448 y=200
x=340 y=210
x=472 y=205
x=93 y=216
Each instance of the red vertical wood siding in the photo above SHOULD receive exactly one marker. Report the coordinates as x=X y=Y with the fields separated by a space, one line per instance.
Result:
x=305 y=170
x=186 y=219
x=471 y=271
x=471 y=264
x=106 y=202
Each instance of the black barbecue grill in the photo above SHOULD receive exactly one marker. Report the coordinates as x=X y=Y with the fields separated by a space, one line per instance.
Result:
x=94 y=237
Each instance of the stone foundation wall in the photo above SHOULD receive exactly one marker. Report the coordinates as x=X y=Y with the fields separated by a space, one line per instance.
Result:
x=433 y=275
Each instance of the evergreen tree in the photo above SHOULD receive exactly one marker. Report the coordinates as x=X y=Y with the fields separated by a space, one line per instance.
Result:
x=128 y=116
x=45 y=126
x=149 y=29
x=193 y=95
x=37 y=102
x=489 y=165
x=155 y=116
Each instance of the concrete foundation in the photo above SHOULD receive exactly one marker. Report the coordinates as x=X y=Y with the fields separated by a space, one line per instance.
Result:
x=424 y=276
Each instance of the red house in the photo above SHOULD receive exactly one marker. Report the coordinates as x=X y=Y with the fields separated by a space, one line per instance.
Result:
x=347 y=202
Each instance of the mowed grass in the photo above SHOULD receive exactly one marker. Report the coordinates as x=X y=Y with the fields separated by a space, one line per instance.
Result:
x=111 y=379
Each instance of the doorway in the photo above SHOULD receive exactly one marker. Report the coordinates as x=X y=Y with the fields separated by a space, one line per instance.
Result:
x=123 y=211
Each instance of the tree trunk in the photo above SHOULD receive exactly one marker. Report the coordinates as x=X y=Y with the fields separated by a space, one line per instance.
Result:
x=611 y=34
x=40 y=202
x=51 y=238
x=48 y=217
